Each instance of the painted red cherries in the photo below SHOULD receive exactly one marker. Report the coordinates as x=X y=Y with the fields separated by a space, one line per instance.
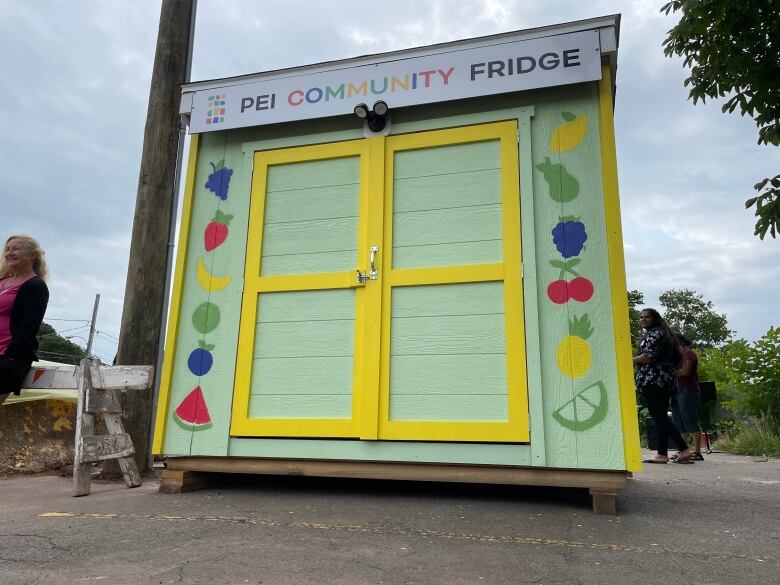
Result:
x=560 y=291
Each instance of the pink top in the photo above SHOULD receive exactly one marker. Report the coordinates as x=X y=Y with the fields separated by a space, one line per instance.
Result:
x=691 y=380
x=7 y=298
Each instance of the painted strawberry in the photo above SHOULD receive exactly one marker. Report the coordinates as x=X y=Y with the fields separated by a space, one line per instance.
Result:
x=569 y=236
x=219 y=180
x=216 y=231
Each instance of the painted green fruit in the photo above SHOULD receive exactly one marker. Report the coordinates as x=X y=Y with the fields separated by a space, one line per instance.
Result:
x=587 y=409
x=206 y=317
x=563 y=186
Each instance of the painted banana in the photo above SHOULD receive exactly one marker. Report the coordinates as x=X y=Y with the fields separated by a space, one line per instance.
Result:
x=208 y=281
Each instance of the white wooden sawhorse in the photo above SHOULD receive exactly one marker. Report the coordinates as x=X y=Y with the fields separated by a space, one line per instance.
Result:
x=97 y=393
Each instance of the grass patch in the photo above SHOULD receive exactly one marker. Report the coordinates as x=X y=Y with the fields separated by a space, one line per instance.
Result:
x=753 y=437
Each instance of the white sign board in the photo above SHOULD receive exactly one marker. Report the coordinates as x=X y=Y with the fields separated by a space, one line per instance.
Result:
x=455 y=74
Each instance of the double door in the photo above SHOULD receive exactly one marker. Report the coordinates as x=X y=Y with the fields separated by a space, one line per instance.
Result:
x=383 y=291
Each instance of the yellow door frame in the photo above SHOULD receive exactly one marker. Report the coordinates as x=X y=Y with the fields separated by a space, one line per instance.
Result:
x=255 y=284
x=516 y=428
x=370 y=392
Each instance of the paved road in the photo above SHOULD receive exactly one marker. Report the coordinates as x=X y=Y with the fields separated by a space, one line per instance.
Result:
x=713 y=522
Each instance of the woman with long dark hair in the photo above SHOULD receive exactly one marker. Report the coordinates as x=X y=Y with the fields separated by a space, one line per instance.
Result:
x=23 y=299
x=658 y=359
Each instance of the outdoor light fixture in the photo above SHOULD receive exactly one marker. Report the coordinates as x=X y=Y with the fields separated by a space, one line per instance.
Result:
x=376 y=118
x=361 y=111
x=380 y=108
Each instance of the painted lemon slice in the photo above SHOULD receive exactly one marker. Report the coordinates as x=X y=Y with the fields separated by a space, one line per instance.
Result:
x=587 y=409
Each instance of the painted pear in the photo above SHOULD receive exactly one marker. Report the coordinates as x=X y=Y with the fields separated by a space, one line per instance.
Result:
x=563 y=186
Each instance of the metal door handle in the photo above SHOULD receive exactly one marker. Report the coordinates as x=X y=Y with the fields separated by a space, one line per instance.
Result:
x=373 y=274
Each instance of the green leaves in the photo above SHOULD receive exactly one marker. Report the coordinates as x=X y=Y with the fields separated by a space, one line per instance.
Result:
x=688 y=312
x=767 y=207
x=635 y=299
x=580 y=326
x=221 y=217
x=732 y=51
x=750 y=372
x=56 y=348
x=566 y=266
x=207 y=346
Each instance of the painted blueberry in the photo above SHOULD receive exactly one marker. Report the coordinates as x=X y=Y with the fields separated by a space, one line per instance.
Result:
x=201 y=360
x=569 y=236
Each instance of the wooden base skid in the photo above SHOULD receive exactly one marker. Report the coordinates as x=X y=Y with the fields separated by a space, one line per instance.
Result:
x=174 y=481
x=188 y=473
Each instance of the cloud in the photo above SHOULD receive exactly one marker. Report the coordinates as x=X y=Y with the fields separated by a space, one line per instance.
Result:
x=79 y=80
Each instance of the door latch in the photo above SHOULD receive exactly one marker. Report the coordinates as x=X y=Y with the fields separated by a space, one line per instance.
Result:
x=373 y=274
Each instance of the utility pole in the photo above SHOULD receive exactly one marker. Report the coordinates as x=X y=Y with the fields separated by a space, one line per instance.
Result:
x=88 y=351
x=142 y=317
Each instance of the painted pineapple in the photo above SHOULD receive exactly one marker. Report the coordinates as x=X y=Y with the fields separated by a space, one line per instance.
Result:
x=573 y=355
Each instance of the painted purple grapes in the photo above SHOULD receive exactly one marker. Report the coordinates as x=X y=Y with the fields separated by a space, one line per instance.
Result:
x=219 y=180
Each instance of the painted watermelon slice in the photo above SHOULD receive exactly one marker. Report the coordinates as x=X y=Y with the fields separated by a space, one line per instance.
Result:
x=193 y=414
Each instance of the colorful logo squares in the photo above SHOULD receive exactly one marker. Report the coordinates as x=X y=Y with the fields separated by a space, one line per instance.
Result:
x=216 y=111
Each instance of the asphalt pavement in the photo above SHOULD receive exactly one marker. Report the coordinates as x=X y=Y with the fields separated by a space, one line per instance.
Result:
x=713 y=522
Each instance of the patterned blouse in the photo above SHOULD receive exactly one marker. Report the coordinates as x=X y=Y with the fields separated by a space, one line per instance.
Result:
x=655 y=373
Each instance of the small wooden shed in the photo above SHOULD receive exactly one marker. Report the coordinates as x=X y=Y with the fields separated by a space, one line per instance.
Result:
x=406 y=265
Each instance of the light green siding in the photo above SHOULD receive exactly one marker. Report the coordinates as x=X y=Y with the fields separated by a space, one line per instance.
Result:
x=446 y=205
x=311 y=217
x=448 y=353
x=303 y=358
x=466 y=182
x=226 y=259
x=570 y=443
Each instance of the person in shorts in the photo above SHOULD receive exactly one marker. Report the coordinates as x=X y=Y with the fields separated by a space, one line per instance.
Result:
x=687 y=401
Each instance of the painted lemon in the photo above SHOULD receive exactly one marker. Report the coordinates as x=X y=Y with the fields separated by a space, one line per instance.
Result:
x=569 y=133
x=574 y=355
x=208 y=281
x=587 y=409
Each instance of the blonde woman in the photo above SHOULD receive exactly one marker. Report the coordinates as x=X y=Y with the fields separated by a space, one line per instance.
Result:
x=23 y=299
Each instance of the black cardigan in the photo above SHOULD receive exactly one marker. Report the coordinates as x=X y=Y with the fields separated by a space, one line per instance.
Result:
x=26 y=317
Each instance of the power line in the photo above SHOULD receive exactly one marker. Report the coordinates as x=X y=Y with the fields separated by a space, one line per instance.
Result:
x=107 y=340
x=106 y=334
x=75 y=320
x=59 y=333
x=56 y=354
x=103 y=359
x=67 y=330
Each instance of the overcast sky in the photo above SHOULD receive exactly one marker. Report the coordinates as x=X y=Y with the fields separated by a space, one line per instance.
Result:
x=75 y=76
